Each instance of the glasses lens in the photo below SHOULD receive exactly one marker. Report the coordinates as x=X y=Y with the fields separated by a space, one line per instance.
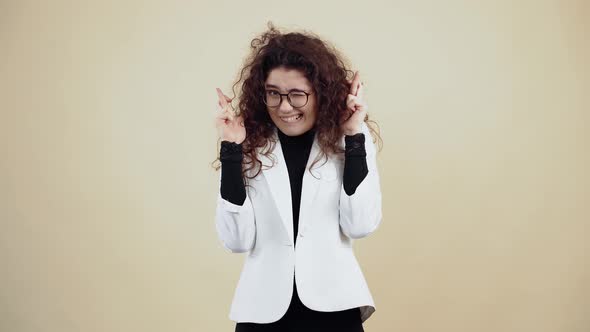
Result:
x=298 y=99
x=272 y=98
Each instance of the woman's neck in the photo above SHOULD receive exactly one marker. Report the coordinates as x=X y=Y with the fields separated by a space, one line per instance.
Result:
x=302 y=139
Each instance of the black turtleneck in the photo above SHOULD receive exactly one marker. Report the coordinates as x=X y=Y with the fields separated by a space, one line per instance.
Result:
x=296 y=151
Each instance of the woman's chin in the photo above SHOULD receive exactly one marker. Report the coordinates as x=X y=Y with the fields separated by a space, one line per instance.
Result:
x=294 y=129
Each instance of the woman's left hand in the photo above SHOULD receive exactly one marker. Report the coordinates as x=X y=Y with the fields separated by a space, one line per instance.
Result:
x=356 y=107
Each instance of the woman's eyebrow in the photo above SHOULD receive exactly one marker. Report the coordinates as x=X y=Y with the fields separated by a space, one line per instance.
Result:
x=276 y=87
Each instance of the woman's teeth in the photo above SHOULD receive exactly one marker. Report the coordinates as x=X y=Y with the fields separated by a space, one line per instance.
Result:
x=293 y=118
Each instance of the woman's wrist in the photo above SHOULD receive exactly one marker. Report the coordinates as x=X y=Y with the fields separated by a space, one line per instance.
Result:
x=352 y=132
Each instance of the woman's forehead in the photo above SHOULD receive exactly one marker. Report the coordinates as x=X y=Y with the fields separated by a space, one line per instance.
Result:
x=287 y=79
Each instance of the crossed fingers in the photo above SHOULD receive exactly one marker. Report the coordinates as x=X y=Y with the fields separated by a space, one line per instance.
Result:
x=223 y=106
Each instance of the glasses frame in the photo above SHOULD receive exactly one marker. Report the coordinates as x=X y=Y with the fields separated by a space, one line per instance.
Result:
x=288 y=99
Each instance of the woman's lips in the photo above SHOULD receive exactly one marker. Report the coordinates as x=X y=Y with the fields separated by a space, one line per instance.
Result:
x=292 y=118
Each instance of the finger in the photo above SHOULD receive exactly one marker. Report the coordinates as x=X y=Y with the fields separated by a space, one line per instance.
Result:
x=351 y=102
x=224 y=116
x=220 y=122
x=223 y=105
x=225 y=111
x=362 y=111
x=360 y=91
x=230 y=114
x=355 y=104
x=352 y=85
x=228 y=99
x=222 y=98
x=355 y=82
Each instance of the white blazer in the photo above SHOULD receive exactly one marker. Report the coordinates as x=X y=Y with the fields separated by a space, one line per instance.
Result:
x=327 y=274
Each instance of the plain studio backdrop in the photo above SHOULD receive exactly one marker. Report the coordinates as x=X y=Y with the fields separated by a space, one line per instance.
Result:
x=106 y=141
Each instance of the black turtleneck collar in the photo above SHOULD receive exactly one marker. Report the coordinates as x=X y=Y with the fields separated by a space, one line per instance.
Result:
x=305 y=139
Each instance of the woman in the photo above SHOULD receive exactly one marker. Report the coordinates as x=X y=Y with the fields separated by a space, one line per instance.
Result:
x=297 y=220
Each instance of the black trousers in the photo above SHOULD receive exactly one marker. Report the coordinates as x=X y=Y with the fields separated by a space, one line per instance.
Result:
x=300 y=318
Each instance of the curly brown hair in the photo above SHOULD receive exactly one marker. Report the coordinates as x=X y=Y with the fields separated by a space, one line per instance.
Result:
x=325 y=68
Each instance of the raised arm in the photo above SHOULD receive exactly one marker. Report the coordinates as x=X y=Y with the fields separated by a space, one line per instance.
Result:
x=234 y=216
x=360 y=211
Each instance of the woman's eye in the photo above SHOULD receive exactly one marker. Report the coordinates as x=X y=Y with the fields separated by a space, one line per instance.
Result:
x=272 y=93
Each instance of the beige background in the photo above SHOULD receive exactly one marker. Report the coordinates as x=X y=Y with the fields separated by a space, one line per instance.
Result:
x=106 y=138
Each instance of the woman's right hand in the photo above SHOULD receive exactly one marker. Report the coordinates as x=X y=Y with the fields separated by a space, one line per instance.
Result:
x=229 y=127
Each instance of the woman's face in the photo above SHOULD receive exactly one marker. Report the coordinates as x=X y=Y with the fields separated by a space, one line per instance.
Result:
x=290 y=120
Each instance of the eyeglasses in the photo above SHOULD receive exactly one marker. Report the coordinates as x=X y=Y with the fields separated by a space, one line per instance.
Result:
x=296 y=99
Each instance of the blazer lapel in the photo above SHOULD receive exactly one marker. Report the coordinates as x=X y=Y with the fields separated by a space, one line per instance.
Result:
x=309 y=188
x=277 y=178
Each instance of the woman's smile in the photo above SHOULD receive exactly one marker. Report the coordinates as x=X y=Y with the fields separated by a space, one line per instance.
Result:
x=293 y=118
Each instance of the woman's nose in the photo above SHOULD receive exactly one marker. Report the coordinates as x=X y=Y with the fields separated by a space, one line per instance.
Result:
x=285 y=106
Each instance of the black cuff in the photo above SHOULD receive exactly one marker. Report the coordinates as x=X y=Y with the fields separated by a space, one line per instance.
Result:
x=355 y=162
x=230 y=151
x=354 y=145
x=232 y=186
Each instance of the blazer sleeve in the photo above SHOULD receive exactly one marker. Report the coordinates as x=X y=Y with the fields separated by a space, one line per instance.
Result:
x=234 y=223
x=361 y=212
